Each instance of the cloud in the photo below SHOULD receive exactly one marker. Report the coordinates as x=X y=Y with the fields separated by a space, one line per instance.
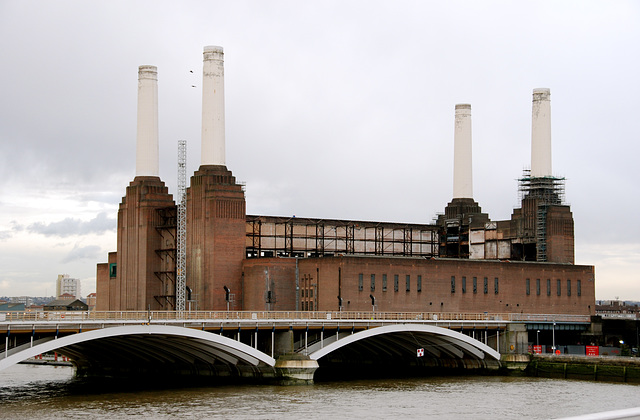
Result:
x=8 y=234
x=90 y=252
x=70 y=226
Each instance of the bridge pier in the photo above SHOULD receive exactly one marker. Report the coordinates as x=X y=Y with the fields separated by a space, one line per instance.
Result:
x=293 y=369
x=515 y=339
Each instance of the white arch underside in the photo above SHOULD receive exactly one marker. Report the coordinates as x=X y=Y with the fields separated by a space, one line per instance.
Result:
x=200 y=342
x=445 y=340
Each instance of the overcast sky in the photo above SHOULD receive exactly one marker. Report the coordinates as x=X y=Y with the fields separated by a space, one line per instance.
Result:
x=334 y=109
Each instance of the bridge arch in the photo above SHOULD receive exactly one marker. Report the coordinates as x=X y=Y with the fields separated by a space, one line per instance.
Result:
x=441 y=346
x=158 y=348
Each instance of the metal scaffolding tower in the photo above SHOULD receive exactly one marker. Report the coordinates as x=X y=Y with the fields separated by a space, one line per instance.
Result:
x=181 y=263
x=547 y=191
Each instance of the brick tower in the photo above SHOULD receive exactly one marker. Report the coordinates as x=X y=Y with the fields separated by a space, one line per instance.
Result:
x=144 y=268
x=216 y=210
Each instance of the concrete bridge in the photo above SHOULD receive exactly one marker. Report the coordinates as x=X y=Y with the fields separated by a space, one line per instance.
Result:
x=280 y=346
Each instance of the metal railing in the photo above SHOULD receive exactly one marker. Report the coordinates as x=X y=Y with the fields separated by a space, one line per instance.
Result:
x=265 y=316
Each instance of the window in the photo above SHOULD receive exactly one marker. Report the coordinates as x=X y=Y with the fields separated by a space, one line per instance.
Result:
x=384 y=282
x=475 y=285
x=579 y=287
x=528 y=287
x=453 y=284
x=464 y=284
x=538 y=287
x=568 y=287
x=373 y=282
x=395 y=282
x=408 y=278
x=486 y=285
x=360 y=281
x=495 y=286
x=113 y=269
x=559 y=287
x=419 y=284
x=548 y=287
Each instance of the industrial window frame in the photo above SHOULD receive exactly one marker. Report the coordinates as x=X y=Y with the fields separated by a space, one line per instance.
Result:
x=486 y=285
x=453 y=284
x=408 y=282
x=419 y=283
x=495 y=286
x=559 y=287
x=373 y=282
x=528 y=286
x=113 y=270
x=548 y=287
x=360 y=282
x=464 y=284
x=384 y=282
x=538 y=287
x=395 y=282
x=568 y=287
x=475 y=285
x=579 y=287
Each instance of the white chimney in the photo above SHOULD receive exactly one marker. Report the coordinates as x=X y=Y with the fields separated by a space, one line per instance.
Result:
x=541 y=134
x=147 y=136
x=213 y=152
x=462 y=178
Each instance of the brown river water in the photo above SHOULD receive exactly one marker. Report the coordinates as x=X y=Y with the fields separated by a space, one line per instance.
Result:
x=49 y=392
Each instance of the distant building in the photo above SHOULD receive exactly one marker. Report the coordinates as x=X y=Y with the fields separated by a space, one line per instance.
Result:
x=66 y=296
x=25 y=300
x=91 y=301
x=67 y=285
x=617 y=309
x=66 y=305
x=13 y=307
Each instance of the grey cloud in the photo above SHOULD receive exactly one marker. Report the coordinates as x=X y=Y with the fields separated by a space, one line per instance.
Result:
x=8 y=234
x=69 y=226
x=91 y=252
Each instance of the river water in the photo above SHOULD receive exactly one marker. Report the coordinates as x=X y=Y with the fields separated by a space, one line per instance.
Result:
x=49 y=392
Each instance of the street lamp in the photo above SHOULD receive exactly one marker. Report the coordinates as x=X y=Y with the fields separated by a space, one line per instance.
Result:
x=553 y=347
x=538 y=337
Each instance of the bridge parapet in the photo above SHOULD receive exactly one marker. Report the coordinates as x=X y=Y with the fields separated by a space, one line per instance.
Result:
x=270 y=316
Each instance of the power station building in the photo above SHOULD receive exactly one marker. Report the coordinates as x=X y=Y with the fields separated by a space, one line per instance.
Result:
x=464 y=262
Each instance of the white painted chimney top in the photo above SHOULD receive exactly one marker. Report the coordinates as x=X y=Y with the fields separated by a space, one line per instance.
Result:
x=213 y=132
x=541 y=133
x=462 y=162
x=147 y=160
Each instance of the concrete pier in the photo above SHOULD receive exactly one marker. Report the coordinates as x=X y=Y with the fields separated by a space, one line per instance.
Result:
x=295 y=369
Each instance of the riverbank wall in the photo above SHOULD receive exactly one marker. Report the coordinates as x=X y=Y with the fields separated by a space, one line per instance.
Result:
x=594 y=368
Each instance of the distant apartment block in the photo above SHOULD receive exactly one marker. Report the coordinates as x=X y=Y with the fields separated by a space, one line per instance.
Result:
x=67 y=285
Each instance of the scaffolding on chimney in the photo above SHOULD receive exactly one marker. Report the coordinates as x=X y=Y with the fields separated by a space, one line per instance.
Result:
x=547 y=191
x=181 y=272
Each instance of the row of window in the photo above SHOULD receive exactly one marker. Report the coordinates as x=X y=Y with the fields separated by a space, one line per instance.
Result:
x=475 y=285
x=485 y=285
x=396 y=283
x=558 y=287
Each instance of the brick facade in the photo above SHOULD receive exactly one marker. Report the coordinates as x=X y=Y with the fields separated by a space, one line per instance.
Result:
x=427 y=285
x=143 y=272
x=216 y=224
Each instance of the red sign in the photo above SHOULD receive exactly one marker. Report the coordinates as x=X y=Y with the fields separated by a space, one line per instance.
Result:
x=420 y=352
x=537 y=349
x=592 y=350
